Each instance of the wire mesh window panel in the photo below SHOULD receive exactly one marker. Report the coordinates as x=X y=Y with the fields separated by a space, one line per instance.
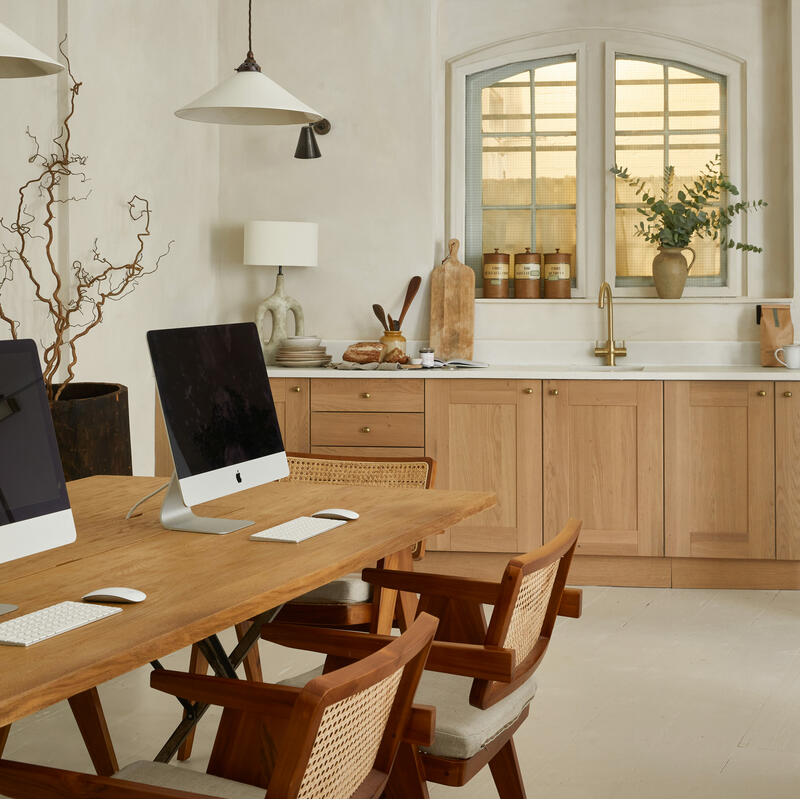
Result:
x=667 y=113
x=521 y=169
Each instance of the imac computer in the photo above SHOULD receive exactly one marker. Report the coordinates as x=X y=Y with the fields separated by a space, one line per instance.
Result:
x=35 y=513
x=220 y=419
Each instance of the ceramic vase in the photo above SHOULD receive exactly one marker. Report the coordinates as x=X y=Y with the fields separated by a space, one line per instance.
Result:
x=670 y=271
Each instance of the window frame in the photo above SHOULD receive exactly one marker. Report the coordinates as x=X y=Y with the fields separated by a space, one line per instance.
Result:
x=493 y=58
x=659 y=48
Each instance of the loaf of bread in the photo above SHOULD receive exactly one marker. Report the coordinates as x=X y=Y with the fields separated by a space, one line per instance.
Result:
x=364 y=352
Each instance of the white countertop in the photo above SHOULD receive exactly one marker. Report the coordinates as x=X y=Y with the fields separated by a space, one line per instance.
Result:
x=563 y=372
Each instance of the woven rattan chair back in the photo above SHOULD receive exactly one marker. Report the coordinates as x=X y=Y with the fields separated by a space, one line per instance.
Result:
x=346 y=725
x=526 y=610
x=400 y=473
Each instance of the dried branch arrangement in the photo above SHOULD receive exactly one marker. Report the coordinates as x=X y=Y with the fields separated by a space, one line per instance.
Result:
x=74 y=299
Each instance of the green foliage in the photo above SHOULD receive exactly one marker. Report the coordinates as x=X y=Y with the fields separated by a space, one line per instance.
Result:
x=701 y=208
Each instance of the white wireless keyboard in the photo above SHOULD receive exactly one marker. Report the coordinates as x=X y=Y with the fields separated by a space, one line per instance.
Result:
x=48 y=622
x=296 y=530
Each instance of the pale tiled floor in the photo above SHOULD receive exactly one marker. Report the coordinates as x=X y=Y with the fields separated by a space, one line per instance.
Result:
x=653 y=693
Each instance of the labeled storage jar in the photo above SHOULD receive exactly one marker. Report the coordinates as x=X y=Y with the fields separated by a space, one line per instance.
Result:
x=527 y=274
x=557 y=274
x=495 y=274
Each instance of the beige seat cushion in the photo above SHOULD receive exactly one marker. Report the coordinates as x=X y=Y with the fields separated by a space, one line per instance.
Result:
x=347 y=589
x=186 y=780
x=461 y=729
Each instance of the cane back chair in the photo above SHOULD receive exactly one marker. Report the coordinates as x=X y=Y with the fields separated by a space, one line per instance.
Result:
x=335 y=737
x=481 y=679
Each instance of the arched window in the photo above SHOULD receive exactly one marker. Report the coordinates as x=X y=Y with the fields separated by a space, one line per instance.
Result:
x=520 y=149
x=667 y=113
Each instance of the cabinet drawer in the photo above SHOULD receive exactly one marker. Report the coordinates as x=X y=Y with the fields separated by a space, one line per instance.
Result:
x=367 y=430
x=367 y=394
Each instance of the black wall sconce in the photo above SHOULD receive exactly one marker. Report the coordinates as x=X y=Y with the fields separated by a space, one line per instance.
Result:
x=307 y=143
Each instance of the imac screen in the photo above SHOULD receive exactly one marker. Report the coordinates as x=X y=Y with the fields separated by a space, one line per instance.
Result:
x=31 y=477
x=215 y=396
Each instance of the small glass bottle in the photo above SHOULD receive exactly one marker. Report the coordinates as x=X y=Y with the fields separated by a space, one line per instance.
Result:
x=426 y=354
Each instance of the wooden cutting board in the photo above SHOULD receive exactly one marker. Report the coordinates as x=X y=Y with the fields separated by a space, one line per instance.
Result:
x=452 y=307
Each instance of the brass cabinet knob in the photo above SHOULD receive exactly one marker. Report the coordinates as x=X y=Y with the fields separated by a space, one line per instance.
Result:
x=761 y=393
x=554 y=392
x=365 y=429
x=787 y=394
x=528 y=391
x=366 y=395
x=295 y=388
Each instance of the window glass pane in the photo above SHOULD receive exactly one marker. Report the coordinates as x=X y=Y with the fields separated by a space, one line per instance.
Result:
x=506 y=106
x=521 y=189
x=689 y=107
x=506 y=171
x=508 y=231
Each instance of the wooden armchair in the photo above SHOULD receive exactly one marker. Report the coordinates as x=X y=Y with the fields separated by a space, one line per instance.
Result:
x=347 y=601
x=479 y=678
x=338 y=736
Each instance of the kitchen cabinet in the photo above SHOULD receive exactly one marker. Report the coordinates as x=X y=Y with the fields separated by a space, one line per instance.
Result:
x=603 y=463
x=291 y=398
x=787 y=470
x=487 y=435
x=719 y=469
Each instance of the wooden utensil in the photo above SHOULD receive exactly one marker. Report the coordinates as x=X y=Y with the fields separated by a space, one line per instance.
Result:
x=452 y=307
x=411 y=293
x=391 y=323
x=380 y=314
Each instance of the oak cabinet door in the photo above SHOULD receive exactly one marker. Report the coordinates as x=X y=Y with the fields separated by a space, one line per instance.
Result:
x=486 y=435
x=787 y=470
x=719 y=458
x=603 y=464
x=291 y=398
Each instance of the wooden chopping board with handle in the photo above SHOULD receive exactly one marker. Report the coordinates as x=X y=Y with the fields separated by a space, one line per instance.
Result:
x=452 y=307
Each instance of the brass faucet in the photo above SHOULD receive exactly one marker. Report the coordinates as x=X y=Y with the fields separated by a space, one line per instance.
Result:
x=609 y=351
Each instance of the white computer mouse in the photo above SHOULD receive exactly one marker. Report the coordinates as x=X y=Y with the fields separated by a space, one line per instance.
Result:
x=115 y=594
x=336 y=513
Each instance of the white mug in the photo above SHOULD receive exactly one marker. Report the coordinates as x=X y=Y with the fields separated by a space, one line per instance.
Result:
x=792 y=354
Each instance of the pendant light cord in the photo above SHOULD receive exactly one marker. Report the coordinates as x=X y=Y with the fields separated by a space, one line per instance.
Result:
x=250 y=25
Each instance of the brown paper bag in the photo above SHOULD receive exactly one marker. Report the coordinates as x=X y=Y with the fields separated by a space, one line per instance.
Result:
x=776 y=331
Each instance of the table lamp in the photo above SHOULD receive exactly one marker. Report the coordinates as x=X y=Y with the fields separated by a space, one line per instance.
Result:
x=279 y=244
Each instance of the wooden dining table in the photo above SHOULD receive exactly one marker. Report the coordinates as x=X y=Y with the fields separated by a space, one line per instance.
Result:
x=196 y=584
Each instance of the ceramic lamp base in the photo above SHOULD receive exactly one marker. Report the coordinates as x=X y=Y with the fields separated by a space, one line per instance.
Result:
x=279 y=305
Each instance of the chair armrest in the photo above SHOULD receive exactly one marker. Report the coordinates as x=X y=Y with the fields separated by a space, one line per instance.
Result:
x=428 y=583
x=257 y=698
x=31 y=780
x=421 y=726
x=454 y=658
x=571 y=603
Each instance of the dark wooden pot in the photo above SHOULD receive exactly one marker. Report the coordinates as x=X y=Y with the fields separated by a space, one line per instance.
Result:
x=93 y=430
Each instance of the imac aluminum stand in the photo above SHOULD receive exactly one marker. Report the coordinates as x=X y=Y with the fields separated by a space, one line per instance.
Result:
x=177 y=516
x=7 y=608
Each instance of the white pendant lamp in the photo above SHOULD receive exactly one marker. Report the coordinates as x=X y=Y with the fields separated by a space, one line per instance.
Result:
x=18 y=59
x=249 y=97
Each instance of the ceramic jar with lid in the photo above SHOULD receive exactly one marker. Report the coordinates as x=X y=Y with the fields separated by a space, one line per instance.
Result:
x=527 y=274
x=495 y=274
x=557 y=274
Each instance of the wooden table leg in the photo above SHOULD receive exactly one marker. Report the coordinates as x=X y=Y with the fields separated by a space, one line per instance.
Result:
x=4 y=738
x=91 y=721
x=252 y=661
x=388 y=602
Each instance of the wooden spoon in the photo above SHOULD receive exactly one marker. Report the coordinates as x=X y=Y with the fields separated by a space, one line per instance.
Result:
x=391 y=323
x=411 y=293
x=380 y=314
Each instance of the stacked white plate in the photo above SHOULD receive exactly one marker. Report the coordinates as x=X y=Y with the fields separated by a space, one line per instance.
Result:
x=303 y=351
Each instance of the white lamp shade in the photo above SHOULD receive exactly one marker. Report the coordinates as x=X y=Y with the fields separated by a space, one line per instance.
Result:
x=249 y=98
x=18 y=59
x=284 y=244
